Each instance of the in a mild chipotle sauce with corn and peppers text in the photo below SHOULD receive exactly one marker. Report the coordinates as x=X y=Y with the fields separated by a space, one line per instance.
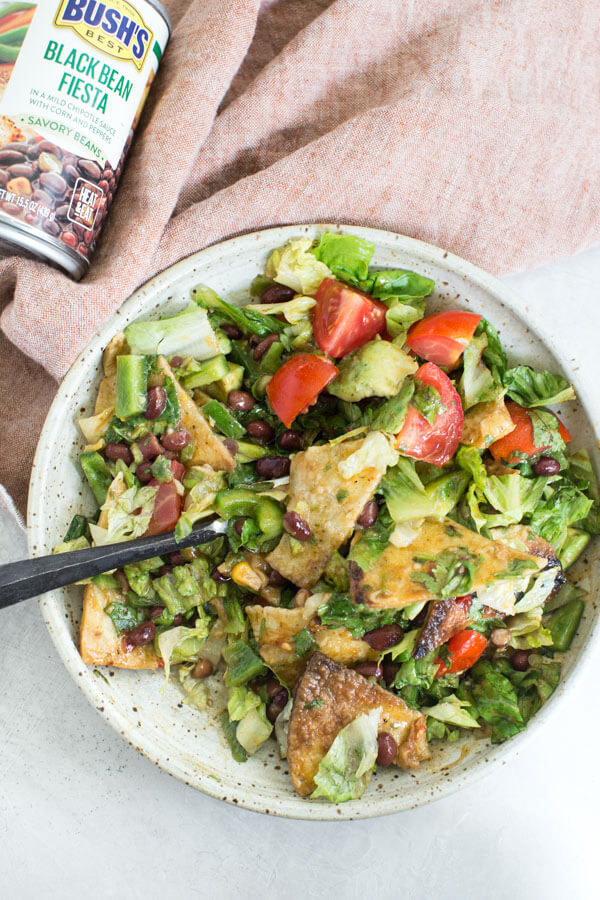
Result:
x=74 y=75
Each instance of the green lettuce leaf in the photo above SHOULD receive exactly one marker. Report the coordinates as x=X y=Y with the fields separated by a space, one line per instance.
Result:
x=347 y=767
x=347 y=256
x=295 y=266
x=253 y=729
x=453 y=711
x=189 y=333
x=493 y=355
x=529 y=388
x=340 y=611
x=241 y=701
x=564 y=506
x=183 y=644
x=477 y=383
x=194 y=689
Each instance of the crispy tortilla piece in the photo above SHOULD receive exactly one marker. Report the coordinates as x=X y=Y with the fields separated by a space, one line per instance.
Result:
x=105 y=398
x=485 y=423
x=445 y=618
x=208 y=448
x=388 y=583
x=328 y=502
x=99 y=643
x=345 y=695
x=274 y=630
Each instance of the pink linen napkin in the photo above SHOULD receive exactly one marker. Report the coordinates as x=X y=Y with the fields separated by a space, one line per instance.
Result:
x=471 y=124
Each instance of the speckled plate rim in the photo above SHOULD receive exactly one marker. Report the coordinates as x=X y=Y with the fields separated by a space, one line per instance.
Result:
x=50 y=602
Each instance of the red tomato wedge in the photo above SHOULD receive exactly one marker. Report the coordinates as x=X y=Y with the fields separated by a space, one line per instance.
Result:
x=297 y=384
x=442 y=338
x=521 y=439
x=344 y=318
x=464 y=648
x=437 y=442
x=167 y=509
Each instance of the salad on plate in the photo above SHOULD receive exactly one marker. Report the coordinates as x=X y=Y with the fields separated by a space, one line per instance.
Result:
x=400 y=509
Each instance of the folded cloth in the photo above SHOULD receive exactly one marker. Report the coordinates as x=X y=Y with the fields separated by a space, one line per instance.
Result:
x=469 y=124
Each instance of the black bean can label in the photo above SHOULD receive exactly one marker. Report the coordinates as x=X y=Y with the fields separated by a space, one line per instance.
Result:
x=74 y=76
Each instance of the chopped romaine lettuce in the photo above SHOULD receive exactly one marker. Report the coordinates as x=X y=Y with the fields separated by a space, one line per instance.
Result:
x=250 y=321
x=529 y=388
x=199 y=502
x=347 y=767
x=477 y=384
x=389 y=417
x=196 y=694
x=493 y=355
x=243 y=664
x=346 y=255
x=128 y=515
x=253 y=729
x=372 y=542
x=453 y=711
x=295 y=311
x=189 y=333
x=183 y=644
x=404 y=493
x=565 y=506
x=340 y=611
x=241 y=701
x=376 y=452
x=295 y=266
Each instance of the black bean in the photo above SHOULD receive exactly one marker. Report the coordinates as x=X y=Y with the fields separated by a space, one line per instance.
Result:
x=150 y=446
x=142 y=634
x=262 y=347
x=231 y=445
x=21 y=170
x=11 y=157
x=176 y=361
x=238 y=526
x=277 y=293
x=387 y=749
x=277 y=580
x=155 y=611
x=218 y=576
x=384 y=637
x=369 y=670
x=546 y=465
x=273 y=687
x=119 y=451
x=156 y=402
x=520 y=660
x=277 y=704
x=273 y=467
x=202 y=669
x=144 y=471
x=241 y=400
x=176 y=440
x=260 y=430
x=369 y=514
x=390 y=670
x=232 y=331
x=296 y=526
x=290 y=440
x=177 y=559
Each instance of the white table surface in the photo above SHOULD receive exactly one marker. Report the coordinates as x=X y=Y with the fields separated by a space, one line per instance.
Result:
x=82 y=815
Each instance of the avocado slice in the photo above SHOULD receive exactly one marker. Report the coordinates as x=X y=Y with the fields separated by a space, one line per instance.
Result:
x=231 y=380
x=376 y=369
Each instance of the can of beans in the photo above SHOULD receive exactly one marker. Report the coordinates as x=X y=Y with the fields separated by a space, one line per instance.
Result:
x=74 y=75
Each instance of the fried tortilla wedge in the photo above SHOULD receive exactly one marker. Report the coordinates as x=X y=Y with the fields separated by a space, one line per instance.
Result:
x=208 y=448
x=275 y=628
x=485 y=423
x=328 y=502
x=389 y=582
x=344 y=694
x=100 y=645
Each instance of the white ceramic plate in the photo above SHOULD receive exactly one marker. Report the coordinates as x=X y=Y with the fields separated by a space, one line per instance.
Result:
x=189 y=744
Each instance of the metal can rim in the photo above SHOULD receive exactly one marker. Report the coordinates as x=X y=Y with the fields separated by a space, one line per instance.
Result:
x=163 y=12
